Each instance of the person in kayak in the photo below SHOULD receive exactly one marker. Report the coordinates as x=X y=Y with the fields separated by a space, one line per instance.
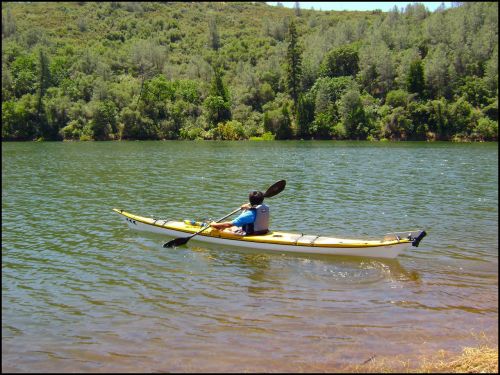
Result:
x=253 y=220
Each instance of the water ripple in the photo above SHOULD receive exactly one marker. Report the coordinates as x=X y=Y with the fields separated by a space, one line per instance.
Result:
x=82 y=292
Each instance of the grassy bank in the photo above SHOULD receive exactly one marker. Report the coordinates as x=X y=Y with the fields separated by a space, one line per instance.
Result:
x=481 y=359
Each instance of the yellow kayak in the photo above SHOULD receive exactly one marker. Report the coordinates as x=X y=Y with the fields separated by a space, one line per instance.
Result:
x=390 y=246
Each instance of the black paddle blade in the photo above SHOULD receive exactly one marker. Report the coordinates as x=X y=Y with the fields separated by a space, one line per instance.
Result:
x=276 y=188
x=177 y=242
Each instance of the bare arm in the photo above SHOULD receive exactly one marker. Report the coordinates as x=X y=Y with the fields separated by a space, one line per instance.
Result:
x=224 y=225
x=228 y=224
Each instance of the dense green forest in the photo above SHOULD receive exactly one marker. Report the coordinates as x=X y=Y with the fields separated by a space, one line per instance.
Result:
x=234 y=70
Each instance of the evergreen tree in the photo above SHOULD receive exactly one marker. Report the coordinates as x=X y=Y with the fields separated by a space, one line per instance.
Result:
x=218 y=88
x=415 y=80
x=217 y=104
x=293 y=64
x=437 y=77
x=43 y=85
x=44 y=73
x=285 y=129
x=305 y=115
x=213 y=35
x=8 y=24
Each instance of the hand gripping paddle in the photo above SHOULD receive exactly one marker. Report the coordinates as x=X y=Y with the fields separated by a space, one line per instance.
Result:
x=273 y=190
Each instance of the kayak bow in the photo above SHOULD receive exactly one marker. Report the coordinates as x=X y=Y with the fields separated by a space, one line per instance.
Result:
x=390 y=246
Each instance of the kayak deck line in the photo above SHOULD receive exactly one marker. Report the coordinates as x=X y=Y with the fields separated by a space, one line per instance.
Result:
x=310 y=243
x=390 y=246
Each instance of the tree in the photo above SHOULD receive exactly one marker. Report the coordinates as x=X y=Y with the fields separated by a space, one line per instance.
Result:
x=7 y=93
x=377 y=67
x=136 y=126
x=43 y=74
x=486 y=130
x=59 y=70
x=326 y=95
x=43 y=84
x=8 y=24
x=437 y=77
x=103 y=123
x=218 y=88
x=217 y=110
x=293 y=64
x=491 y=110
x=352 y=115
x=397 y=98
x=19 y=119
x=278 y=122
x=491 y=72
x=475 y=91
x=231 y=130
x=213 y=34
x=415 y=81
x=438 y=118
x=24 y=77
x=285 y=129
x=304 y=115
x=418 y=113
x=147 y=59
x=461 y=116
x=297 y=9
x=278 y=30
x=396 y=124
x=217 y=104
x=342 y=61
x=56 y=107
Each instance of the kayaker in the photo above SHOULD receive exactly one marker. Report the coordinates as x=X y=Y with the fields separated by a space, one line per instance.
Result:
x=253 y=220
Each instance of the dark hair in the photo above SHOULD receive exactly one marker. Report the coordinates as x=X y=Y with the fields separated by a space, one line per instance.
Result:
x=256 y=198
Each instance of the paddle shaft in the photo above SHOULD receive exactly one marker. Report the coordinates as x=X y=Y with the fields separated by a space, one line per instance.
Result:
x=273 y=190
x=183 y=240
x=218 y=221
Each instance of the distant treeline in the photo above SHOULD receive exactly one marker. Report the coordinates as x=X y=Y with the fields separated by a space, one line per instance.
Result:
x=233 y=71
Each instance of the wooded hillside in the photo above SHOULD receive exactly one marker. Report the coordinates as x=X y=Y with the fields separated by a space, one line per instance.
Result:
x=146 y=70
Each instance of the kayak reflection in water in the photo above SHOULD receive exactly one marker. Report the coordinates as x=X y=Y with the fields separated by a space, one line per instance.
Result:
x=253 y=220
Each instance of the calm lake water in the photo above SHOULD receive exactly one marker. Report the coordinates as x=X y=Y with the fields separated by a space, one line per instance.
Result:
x=82 y=292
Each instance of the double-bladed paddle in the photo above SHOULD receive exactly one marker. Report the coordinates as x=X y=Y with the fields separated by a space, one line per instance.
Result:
x=273 y=190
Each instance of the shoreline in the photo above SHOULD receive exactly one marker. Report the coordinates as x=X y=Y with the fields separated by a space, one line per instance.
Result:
x=478 y=359
x=247 y=140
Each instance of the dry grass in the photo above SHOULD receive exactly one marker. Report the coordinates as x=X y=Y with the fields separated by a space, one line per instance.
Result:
x=472 y=360
x=482 y=359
